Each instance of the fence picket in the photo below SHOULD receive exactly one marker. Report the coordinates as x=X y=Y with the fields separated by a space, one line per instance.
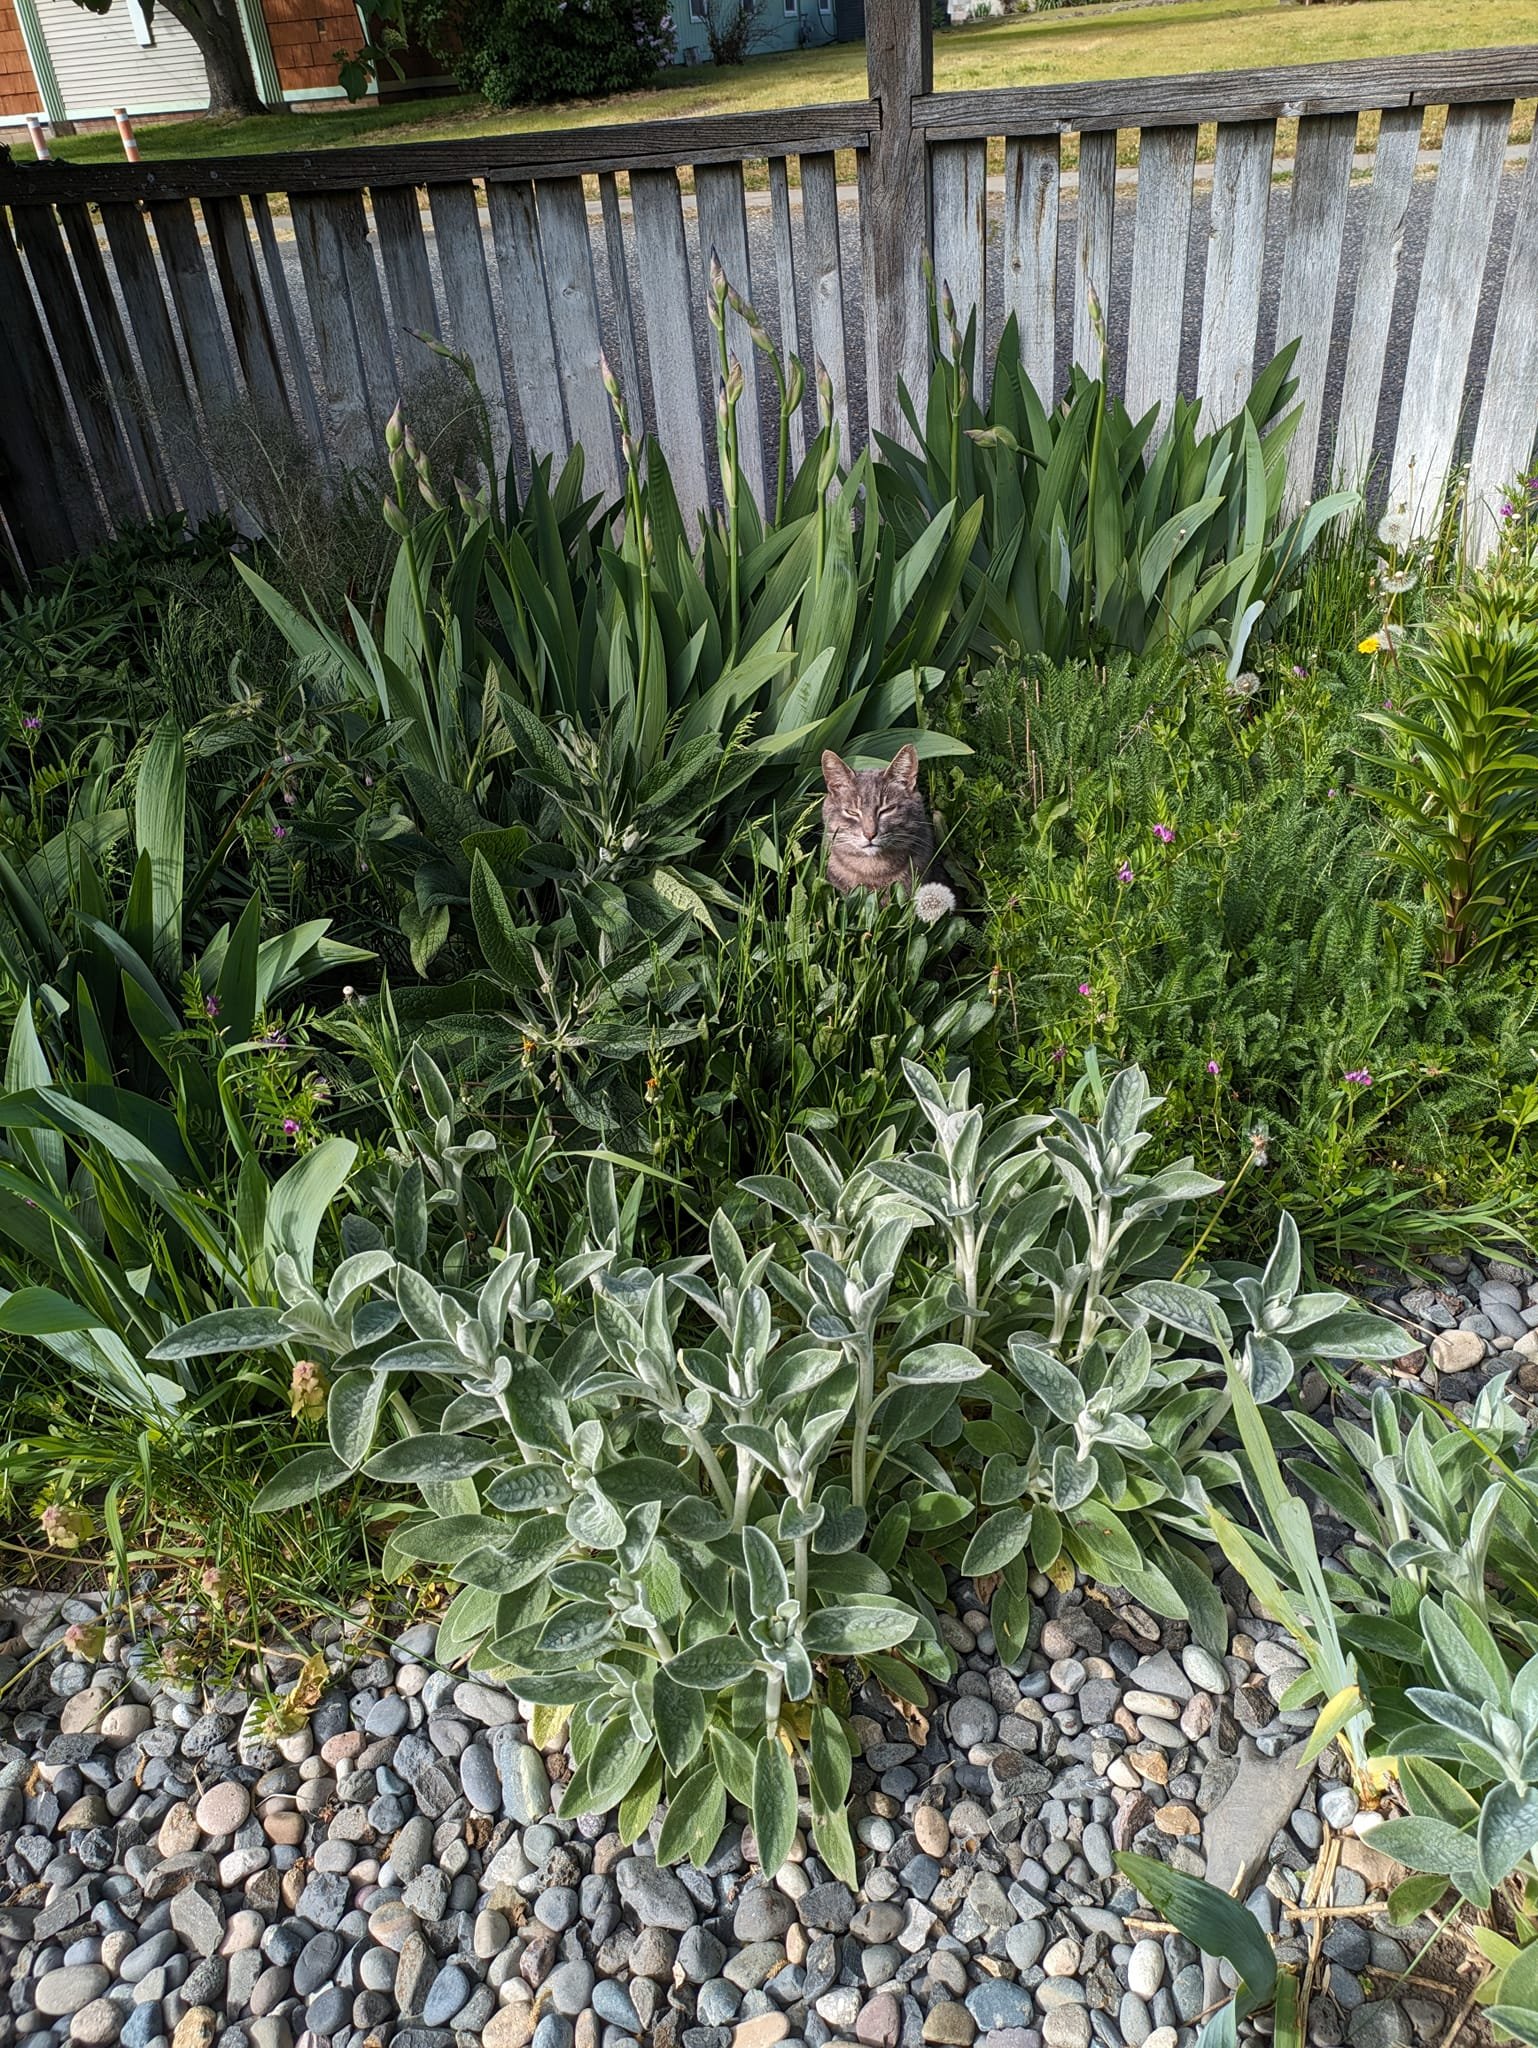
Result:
x=1032 y=173
x=246 y=305
x=1452 y=274
x=301 y=384
x=1377 y=276
x=197 y=313
x=54 y=281
x=958 y=199
x=825 y=281
x=572 y=291
x=723 y=223
x=1092 y=249
x=376 y=351
x=1316 y=222
x=629 y=365
x=50 y=505
x=150 y=325
x=134 y=411
x=323 y=266
x=666 y=303
x=1166 y=169
x=1508 y=417
x=408 y=275
x=1236 y=247
x=531 y=344
x=785 y=281
x=470 y=317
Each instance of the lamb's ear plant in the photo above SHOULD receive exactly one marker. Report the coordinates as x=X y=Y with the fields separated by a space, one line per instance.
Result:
x=638 y=1479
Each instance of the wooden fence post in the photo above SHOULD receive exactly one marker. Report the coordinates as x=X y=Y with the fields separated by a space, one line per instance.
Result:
x=894 y=208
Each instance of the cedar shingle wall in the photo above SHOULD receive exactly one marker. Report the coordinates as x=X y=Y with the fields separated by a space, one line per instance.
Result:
x=305 y=35
x=18 y=88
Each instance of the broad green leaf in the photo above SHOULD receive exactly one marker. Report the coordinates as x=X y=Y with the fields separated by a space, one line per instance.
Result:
x=226 y=1330
x=1218 y=1924
x=431 y=1460
x=1002 y=1537
x=856 y=1631
x=774 y=1803
x=352 y=1414
x=303 y=1480
x=711 y=1665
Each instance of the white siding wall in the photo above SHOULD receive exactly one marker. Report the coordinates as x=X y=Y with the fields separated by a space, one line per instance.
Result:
x=100 y=65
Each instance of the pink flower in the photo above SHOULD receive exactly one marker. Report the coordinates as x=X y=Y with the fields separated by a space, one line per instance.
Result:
x=290 y=1127
x=1124 y=872
x=1213 y=1068
x=1508 y=510
x=211 y=1006
x=1085 y=989
x=1164 y=834
x=1359 y=1077
x=1299 y=671
x=1059 y=1052
x=31 y=723
x=280 y=831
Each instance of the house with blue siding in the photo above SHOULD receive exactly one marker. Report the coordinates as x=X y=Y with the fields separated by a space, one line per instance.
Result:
x=782 y=25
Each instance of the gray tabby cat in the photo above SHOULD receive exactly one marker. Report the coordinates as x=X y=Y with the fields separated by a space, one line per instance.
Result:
x=875 y=826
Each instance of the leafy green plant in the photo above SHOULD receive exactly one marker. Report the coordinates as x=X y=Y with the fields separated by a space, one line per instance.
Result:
x=636 y=695
x=1094 y=534
x=1221 y=1926
x=1178 y=873
x=1464 y=777
x=841 y=1410
x=642 y=1515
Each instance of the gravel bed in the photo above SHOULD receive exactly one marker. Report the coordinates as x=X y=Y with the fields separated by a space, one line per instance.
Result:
x=1481 y=1319
x=397 y=1872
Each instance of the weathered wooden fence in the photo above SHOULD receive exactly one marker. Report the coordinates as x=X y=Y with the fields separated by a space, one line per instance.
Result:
x=140 y=303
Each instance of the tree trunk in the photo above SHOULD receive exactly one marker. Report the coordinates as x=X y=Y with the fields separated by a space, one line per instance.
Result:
x=214 y=25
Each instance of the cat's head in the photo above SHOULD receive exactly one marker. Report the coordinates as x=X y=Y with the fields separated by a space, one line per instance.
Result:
x=873 y=812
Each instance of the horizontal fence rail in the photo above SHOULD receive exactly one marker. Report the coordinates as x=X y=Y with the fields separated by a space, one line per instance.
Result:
x=158 y=317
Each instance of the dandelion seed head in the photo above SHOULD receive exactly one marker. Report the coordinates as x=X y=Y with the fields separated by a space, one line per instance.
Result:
x=932 y=902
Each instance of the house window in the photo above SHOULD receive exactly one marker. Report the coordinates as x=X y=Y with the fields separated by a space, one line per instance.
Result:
x=699 y=10
x=138 y=20
x=792 y=9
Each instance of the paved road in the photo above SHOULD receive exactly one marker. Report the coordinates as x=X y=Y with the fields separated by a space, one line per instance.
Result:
x=1189 y=313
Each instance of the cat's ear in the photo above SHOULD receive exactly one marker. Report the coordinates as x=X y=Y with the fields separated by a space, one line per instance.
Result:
x=904 y=771
x=837 y=775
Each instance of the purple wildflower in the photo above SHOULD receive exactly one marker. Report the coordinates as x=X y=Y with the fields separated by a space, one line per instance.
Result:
x=1085 y=989
x=1213 y=1068
x=290 y=1127
x=1124 y=872
x=1508 y=510
x=1164 y=834
x=31 y=722
x=1299 y=671
x=1359 y=1077
x=280 y=831
x=210 y=1006
x=1059 y=1053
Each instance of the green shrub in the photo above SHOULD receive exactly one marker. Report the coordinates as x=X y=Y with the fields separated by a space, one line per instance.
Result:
x=518 y=51
x=666 y=1488
x=1179 y=872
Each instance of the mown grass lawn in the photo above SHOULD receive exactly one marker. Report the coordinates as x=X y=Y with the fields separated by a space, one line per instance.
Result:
x=1081 y=43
